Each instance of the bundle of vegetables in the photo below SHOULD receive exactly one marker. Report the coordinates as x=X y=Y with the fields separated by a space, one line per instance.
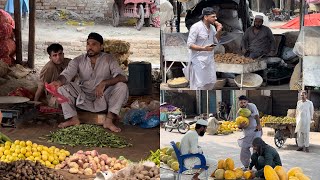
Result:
x=26 y=150
x=155 y=157
x=147 y=170
x=3 y=138
x=26 y=170
x=90 y=162
x=87 y=135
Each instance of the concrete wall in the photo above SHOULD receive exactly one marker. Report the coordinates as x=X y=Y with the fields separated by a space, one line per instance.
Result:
x=87 y=8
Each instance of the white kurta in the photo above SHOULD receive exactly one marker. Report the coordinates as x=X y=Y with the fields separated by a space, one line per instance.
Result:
x=213 y=125
x=202 y=65
x=189 y=145
x=304 y=114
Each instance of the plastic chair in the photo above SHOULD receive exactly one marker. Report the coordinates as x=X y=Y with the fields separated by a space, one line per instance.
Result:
x=181 y=159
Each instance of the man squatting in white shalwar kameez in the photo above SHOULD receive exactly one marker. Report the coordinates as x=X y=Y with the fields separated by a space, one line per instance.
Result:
x=189 y=145
x=250 y=132
x=201 y=71
x=101 y=85
x=304 y=114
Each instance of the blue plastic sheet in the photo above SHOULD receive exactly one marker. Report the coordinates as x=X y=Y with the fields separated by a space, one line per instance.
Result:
x=151 y=122
x=134 y=116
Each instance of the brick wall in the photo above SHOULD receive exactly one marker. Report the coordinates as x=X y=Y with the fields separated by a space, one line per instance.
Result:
x=91 y=9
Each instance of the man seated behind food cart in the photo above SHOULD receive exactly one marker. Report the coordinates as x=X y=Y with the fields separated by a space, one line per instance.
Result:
x=258 y=40
x=51 y=71
x=263 y=155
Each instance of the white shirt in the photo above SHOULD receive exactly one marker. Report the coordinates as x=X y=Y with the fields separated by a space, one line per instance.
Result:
x=203 y=70
x=304 y=114
x=189 y=145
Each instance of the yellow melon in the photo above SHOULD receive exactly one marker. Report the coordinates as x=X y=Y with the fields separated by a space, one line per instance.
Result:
x=220 y=164
x=247 y=175
x=281 y=173
x=228 y=164
x=242 y=119
x=175 y=166
x=229 y=175
x=301 y=176
x=219 y=174
x=245 y=112
x=270 y=173
x=294 y=170
x=239 y=172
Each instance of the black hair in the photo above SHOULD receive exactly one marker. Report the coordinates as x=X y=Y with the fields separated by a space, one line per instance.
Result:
x=198 y=126
x=260 y=144
x=55 y=47
x=243 y=97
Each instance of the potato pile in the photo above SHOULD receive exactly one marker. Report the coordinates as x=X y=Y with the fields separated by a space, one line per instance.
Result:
x=231 y=58
x=90 y=162
x=120 y=50
x=23 y=169
x=145 y=171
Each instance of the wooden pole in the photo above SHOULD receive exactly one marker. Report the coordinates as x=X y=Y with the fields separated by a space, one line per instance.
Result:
x=17 y=19
x=31 y=45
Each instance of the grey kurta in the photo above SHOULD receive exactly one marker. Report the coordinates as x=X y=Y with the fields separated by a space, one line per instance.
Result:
x=258 y=44
x=249 y=134
x=82 y=94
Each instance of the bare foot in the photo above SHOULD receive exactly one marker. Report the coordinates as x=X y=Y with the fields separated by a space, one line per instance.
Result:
x=73 y=121
x=108 y=124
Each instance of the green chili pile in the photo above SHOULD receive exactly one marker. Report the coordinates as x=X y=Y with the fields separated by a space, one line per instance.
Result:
x=87 y=135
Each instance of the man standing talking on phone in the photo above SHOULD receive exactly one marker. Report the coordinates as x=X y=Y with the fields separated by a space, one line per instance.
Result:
x=203 y=35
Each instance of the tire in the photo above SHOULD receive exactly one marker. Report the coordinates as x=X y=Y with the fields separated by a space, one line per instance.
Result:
x=115 y=15
x=279 y=140
x=140 y=21
x=168 y=123
x=183 y=128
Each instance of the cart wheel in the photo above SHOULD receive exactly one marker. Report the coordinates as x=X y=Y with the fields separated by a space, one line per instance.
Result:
x=168 y=123
x=183 y=128
x=115 y=15
x=140 y=21
x=279 y=140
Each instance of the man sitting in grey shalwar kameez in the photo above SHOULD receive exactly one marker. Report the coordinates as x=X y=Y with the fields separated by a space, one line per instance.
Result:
x=258 y=40
x=101 y=85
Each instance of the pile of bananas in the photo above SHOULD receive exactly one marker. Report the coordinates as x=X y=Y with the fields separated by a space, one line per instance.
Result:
x=155 y=157
x=277 y=120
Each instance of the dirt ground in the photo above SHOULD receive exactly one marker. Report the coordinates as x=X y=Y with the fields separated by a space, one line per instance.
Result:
x=221 y=147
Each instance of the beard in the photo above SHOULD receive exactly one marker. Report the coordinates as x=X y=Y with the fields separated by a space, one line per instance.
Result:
x=201 y=133
x=258 y=26
x=91 y=53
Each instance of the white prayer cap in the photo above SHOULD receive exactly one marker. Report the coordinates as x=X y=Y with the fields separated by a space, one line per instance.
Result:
x=202 y=122
x=258 y=17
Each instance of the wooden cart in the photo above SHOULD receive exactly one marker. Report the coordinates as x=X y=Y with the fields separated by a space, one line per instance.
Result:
x=282 y=132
